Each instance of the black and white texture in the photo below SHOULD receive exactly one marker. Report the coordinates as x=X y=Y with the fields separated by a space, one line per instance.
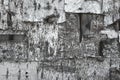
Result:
x=59 y=39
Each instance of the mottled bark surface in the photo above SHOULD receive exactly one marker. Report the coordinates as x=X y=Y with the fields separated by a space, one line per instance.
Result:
x=59 y=40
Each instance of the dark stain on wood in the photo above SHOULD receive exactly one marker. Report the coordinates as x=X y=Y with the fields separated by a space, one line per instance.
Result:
x=39 y=6
x=7 y=74
x=78 y=78
x=101 y=46
x=9 y=19
x=16 y=5
x=68 y=78
x=80 y=30
x=3 y=21
x=56 y=78
x=79 y=8
x=51 y=19
x=48 y=6
x=26 y=73
x=0 y=15
x=42 y=74
x=53 y=1
x=11 y=37
x=60 y=0
x=2 y=1
x=35 y=5
x=46 y=47
x=19 y=74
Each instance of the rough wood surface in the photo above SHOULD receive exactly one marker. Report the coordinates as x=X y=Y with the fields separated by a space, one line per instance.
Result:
x=59 y=40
